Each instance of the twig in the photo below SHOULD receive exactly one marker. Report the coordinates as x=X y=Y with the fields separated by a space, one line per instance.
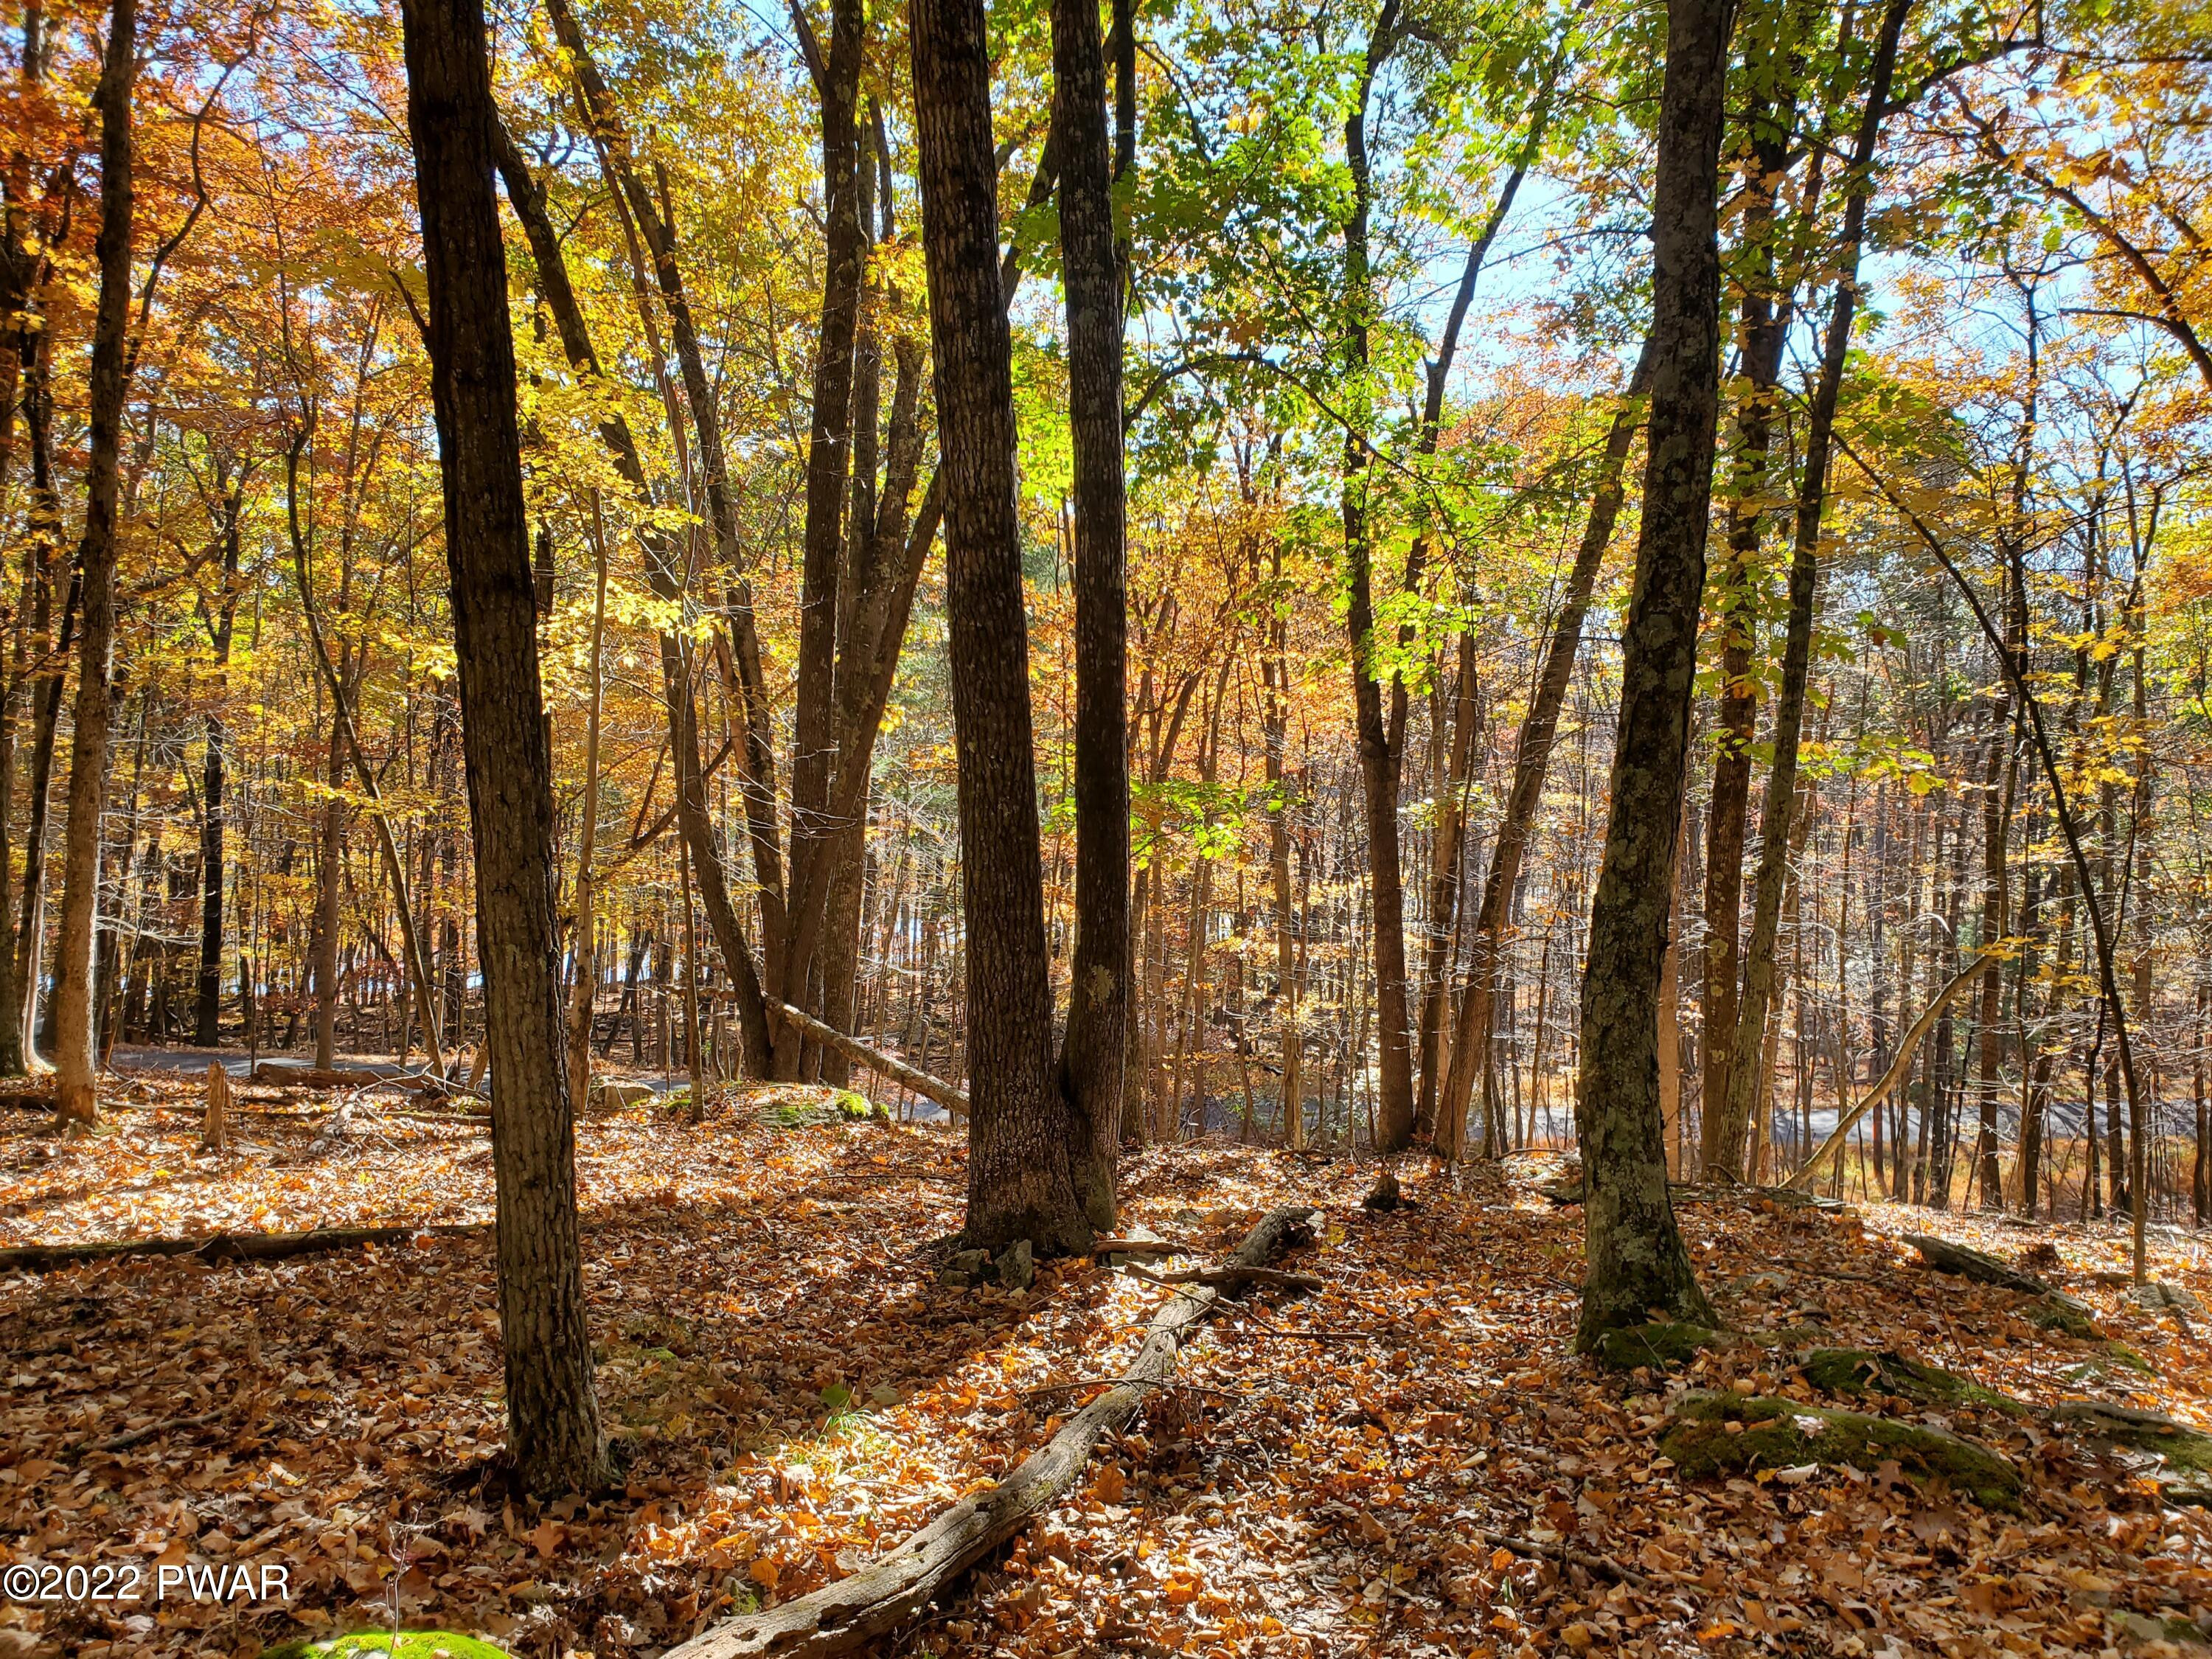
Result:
x=124 y=1441
x=1567 y=1555
x=1274 y=1276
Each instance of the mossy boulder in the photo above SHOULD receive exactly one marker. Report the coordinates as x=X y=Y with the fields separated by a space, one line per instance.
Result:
x=1716 y=1434
x=1657 y=1345
x=2176 y=1455
x=1860 y=1371
x=2064 y=1315
x=407 y=1645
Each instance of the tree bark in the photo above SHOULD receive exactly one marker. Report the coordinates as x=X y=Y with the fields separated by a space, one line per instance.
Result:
x=1532 y=759
x=1772 y=89
x=586 y=949
x=816 y=836
x=1636 y=1262
x=208 y=1015
x=1094 y=1047
x=75 y=1058
x=1022 y=1140
x=1774 y=828
x=1379 y=758
x=552 y=1413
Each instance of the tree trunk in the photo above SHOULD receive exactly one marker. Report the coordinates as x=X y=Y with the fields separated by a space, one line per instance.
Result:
x=323 y=948
x=1379 y=758
x=1532 y=759
x=585 y=950
x=1636 y=1262
x=1020 y=1179
x=75 y=1058
x=1274 y=717
x=1096 y=1047
x=1723 y=1143
x=21 y=1014
x=816 y=836
x=207 y=1014
x=552 y=1414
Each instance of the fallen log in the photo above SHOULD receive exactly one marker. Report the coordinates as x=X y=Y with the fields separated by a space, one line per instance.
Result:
x=224 y=1247
x=1949 y=1258
x=929 y=1088
x=895 y=1588
x=2059 y=1311
x=294 y=1076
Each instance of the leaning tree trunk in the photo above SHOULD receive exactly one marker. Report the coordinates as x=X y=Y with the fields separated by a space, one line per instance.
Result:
x=1098 y=992
x=1744 y=1080
x=1020 y=1179
x=553 y=1425
x=75 y=1058
x=1637 y=1259
x=1532 y=759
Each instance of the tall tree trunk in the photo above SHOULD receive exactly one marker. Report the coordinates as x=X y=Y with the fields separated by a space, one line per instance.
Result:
x=816 y=836
x=1021 y=1139
x=75 y=1056
x=323 y=948
x=1532 y=759
x=665 y=572
x=1636 y=1262
x=1274 y=720
x=1774 y=63
x=1725 y=1148
x=19 y=1019
x=758 y=772
x=208 y=1015
x=585 y=950
x=1380 y=758
x=553 y=1425
x=1096 y=1047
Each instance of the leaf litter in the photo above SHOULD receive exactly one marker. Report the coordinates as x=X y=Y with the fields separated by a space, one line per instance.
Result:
x=1410 y=1462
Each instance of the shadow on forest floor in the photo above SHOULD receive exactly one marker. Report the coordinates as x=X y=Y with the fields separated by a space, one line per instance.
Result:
x=794 y=1393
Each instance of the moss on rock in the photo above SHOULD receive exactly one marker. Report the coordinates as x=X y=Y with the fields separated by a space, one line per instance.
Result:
x=408 y=1644
x=1658 y=1345
x=1716 y=1434
x=2066 y=1316
x=1858 y=1372
x=2178 y=1456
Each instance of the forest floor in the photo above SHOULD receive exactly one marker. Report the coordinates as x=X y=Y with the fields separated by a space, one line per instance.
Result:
x=1332 y=1475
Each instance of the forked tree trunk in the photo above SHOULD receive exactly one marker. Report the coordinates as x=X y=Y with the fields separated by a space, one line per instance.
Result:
x=1636 y=1262
x=553 y=1425
x=75 y=1058
x=1021 y=1137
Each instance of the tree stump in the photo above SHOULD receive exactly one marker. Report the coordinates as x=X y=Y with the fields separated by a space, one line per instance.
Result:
x=214 y=1127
